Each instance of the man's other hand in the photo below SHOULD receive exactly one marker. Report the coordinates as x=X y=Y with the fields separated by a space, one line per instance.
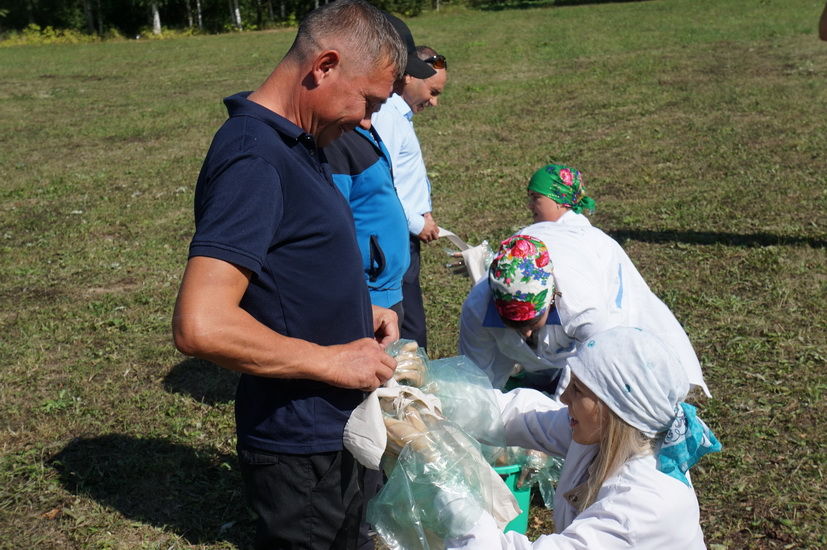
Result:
x=385 y=326
x=431 y=230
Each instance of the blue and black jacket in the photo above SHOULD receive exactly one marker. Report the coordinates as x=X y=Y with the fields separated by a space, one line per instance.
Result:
x=362 y=171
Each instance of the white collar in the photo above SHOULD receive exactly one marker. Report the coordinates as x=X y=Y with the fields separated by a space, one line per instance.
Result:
x=573 y=218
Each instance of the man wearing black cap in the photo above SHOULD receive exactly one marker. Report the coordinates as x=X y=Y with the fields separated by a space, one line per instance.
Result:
x=416 y=67
x=423 y=82
x=361 y=167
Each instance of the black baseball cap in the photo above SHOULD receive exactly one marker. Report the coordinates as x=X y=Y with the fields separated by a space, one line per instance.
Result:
x=415 y=66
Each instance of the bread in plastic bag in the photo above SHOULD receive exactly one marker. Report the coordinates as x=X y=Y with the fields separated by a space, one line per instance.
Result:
x=445 y=466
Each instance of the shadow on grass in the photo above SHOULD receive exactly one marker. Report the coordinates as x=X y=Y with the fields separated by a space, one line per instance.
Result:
x=204 y=381
x=194 y=493
x=710 y=237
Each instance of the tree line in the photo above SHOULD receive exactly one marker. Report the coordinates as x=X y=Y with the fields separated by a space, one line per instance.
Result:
x=132 y=17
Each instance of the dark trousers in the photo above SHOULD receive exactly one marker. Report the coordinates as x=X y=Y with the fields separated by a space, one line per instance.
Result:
x=399 y=309
x=413 y=325
x=308 y=502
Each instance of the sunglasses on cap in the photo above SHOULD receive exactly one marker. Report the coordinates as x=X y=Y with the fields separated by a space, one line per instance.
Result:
x=437 y=61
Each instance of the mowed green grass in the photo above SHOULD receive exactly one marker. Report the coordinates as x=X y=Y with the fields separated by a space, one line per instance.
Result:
x=700 y=127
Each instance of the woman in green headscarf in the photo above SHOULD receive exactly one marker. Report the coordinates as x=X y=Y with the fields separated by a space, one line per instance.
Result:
x=535 y=315
x=555 y=191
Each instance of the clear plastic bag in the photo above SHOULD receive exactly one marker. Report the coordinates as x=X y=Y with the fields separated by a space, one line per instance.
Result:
x=463 y=389
x=411 y=363
x=546 y=479
x=440 y=477
x=467 y=399
x=437 y=489
x=477 y=259
x=536 y=468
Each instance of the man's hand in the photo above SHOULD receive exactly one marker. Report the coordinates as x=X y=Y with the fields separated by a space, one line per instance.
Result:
x=385 y=326
x=431 y=230
x=360 y=365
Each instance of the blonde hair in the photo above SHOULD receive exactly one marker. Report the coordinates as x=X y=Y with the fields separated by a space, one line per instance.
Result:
x=619 y=442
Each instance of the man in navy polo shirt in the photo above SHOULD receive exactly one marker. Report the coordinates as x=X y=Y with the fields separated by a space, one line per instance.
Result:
x=274 y=286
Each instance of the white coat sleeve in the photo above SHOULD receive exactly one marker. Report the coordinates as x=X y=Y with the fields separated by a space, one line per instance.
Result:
x=591 y=533
x=533 y=420
x=626 y=516
x=582 y=306
x=479 y=343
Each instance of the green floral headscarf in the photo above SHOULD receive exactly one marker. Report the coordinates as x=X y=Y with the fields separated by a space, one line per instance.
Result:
x=563 y=185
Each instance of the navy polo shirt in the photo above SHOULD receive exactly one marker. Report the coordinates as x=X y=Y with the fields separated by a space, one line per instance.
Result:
x=265 y=201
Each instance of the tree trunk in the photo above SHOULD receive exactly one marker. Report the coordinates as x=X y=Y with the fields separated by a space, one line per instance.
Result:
x=235 y=14
x=156 y=18
x=198 y=14
x=282 y=8
x=189 y=14
x=90 y=17
x=100 y=19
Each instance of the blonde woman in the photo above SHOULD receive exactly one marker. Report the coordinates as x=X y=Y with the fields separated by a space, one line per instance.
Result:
x=629 y=440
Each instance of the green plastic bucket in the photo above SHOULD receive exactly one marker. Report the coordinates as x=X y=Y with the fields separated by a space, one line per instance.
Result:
x=510 y=475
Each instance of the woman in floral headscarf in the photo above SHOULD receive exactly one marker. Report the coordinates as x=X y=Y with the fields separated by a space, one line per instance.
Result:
x=550 y=287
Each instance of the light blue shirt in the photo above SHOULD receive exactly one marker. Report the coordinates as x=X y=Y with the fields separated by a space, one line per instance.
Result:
x=394 y=124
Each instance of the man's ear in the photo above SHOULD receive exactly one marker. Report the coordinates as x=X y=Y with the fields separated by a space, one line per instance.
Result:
x=324 y=65
x=401 y=82
x=399 y=85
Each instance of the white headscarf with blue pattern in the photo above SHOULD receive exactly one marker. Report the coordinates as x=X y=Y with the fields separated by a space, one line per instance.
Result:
x=639 y=378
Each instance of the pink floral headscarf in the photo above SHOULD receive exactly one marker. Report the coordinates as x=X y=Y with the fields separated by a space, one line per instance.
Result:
x=520 y=278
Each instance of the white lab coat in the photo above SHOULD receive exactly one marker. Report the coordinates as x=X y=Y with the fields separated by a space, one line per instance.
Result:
x=639 y=508
x=601 y=289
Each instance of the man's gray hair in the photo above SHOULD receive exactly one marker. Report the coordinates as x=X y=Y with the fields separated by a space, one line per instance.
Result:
x=368 y=36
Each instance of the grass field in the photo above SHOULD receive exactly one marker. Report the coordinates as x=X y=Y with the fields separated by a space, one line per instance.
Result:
x=700 y=126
